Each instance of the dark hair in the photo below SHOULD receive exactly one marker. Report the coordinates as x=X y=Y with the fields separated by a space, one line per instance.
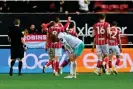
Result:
x=71 y=25
x=114 y=23
x=102 y=16
x=57 y=19
x=17 y=21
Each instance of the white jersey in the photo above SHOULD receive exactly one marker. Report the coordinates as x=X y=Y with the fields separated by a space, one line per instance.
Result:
x=69 y=40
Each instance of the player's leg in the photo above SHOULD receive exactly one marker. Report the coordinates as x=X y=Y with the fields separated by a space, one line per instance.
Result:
x=65 y=62
x=105 y=51
x=58 y=54
x=110 y=58
x=106 y=62
x=20 y=57
x=20 y=64
x=99 y=62
x=51 y=53
x=11 y=66
x=117 y=53
x=13 y=59
x=77 y=52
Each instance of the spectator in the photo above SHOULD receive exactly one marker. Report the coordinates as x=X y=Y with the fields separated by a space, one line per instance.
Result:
x=4 y=7
x=83 y=5
x=32 y=29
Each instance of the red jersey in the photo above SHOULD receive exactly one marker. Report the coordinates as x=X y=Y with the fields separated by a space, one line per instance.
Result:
x=101 y=33
x=55 y=30
x=72 y=32
x=113 y=38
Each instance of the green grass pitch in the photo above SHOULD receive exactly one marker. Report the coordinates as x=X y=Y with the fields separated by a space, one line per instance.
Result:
x=83 y=81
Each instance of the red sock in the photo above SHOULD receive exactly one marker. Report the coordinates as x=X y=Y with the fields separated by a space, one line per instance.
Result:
x=57 y=66
x=52 y=64
x=110 y=64
x=49 y=63
x=99 y=63
x=105 y=66
x=65 y=63
x=117 y=62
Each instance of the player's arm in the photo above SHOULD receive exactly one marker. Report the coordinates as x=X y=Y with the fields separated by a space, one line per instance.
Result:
x=45 y=26
x=67 y=24
x=119 y=42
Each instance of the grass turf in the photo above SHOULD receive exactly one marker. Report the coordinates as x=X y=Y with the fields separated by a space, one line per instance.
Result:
x=84 y=81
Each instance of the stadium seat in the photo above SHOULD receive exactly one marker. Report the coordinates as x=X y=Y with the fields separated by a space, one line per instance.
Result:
x=114 y=8
x=103 y=8
x=124 y=8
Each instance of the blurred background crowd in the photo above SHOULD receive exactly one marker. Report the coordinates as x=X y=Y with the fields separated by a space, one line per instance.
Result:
x=79 y=6
x=63 y=6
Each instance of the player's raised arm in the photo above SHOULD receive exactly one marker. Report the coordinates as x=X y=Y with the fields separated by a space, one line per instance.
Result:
x=45 y=26
x=67 y=24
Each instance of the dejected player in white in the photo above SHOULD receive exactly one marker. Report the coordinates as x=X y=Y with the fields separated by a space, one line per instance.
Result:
x=75 y=47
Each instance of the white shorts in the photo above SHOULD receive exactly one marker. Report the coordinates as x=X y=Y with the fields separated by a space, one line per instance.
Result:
x=54 y=52
x=114 y=49
x=102 y=49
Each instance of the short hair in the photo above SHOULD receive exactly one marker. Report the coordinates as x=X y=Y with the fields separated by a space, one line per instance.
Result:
x=17 y=21
x=102 y=16
x=114 y=23
x=57 y=19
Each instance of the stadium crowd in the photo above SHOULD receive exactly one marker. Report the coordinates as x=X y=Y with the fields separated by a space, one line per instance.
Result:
x=81 y=6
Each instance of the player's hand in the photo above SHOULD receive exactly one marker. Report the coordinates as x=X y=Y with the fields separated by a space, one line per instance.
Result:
x=69 y=18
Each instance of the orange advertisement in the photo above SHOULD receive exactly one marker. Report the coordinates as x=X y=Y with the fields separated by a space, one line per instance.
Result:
x=87 y=61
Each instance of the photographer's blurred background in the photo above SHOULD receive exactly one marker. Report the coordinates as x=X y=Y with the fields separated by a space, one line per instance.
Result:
x=79 y=6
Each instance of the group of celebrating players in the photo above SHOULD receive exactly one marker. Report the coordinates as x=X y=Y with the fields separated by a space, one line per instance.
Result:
x=106 y=40
x=66 y=36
